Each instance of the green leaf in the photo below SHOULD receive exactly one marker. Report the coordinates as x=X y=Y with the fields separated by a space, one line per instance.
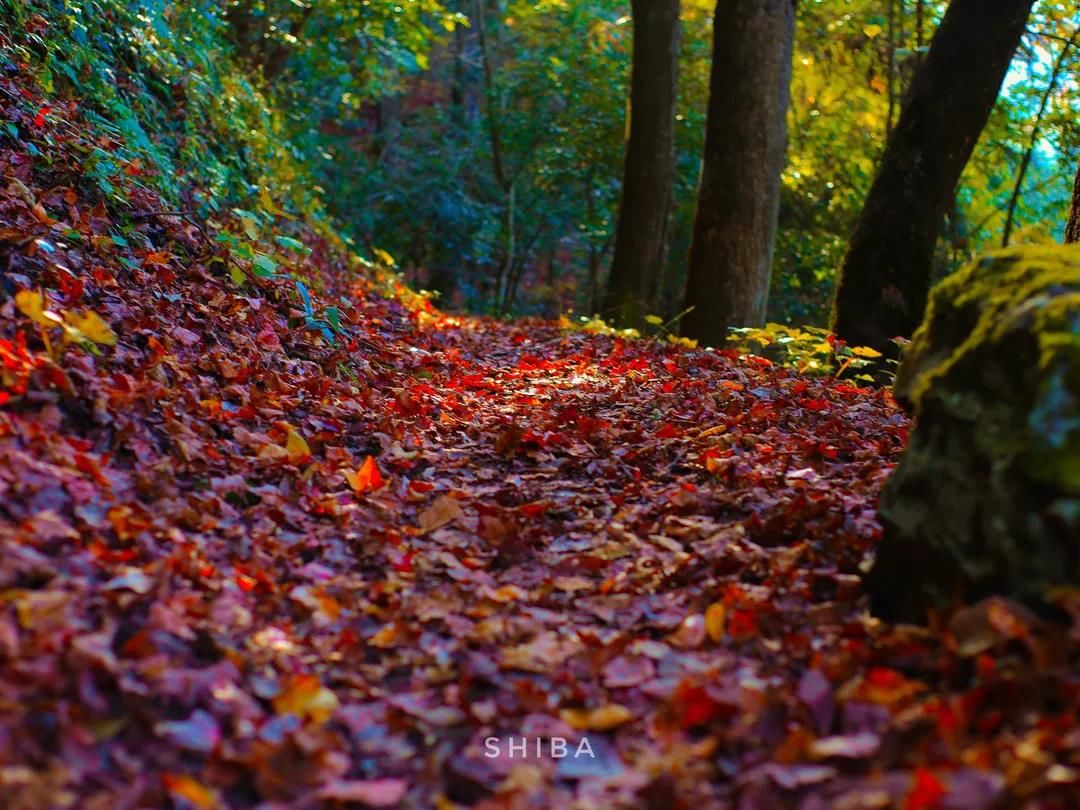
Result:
x=289 y=242
x=309 y=310
x=333 y=316
x=264 y=265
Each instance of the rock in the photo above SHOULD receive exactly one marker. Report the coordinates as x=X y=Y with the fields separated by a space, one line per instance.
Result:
x=986 y=500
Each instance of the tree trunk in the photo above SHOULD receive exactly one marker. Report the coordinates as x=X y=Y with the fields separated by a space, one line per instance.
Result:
x=886 y=274
x=890 y=69
x=739 y=196
x=1072 y=228
x=649 y=170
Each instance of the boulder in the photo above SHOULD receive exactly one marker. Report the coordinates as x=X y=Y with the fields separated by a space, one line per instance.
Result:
x=986 y=499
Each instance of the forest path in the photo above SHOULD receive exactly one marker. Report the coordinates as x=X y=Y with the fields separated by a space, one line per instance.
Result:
x=651 y=548
x=378 y=588
x=250 y=577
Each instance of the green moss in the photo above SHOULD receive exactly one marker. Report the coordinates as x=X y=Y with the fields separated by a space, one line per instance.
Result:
x=1017 y=309
x=1040 y=284
x=987 y=496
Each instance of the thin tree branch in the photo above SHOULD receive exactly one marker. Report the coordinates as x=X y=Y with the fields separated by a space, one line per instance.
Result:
x=1025 y=162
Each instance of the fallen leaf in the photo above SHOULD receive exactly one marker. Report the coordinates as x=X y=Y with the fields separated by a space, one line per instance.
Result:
x=296 y=447
x=200 y=732
x=134 y=579
x=601 y=718
x=31 y=303
x=715 y=621
x=369 y=792
x=444 y=511
x=853 y=746
x=307 y=698
x=93 y=327
x=366 y=479
x=189 y=789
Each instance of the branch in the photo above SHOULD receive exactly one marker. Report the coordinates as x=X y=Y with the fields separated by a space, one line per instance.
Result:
x=1014 y=198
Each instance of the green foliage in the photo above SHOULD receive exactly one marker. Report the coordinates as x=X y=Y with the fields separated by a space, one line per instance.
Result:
x=809 y=349
x=839 y=119
x=158 y=79
x=379 y=120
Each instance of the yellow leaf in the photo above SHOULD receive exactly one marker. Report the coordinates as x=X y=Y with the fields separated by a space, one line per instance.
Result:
x=296 y=448
x=385 y=258
x=93 y=327
x=602 y=718
x=685 y=342
x=865 y=351
x=655 y=320
x=872 y=30
x=31 y=303
x=715 y=621
x=307 y=698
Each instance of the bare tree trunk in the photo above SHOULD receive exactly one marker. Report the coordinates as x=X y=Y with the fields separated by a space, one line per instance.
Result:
x=739 y=196
x=890 y=62
x=886 y=274
x=1025 y=161
x=491 y=98
x=498 y=166
x=919 y=42
x=1072 y=227
x=649 y=170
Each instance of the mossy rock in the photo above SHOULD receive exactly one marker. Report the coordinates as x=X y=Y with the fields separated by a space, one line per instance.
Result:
x=986 y=499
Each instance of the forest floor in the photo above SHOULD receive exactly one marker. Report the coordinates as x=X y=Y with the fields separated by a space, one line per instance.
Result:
x=243 y=565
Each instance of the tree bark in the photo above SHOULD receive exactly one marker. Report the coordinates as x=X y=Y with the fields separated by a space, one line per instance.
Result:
x=649 y=169
x=886 y=273
x=739 y=195
x=1072 y=227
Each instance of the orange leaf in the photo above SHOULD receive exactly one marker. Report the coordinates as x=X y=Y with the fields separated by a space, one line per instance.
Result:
x=306 y=697
x=365 y=479
x=182 y=786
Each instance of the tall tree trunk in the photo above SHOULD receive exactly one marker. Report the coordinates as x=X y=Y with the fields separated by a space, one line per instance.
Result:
x=886 y=274
x=492 y=103
x=649 y=170
x=1072 y=227
x=739 y=196
x=890 y=66
x=919 y=15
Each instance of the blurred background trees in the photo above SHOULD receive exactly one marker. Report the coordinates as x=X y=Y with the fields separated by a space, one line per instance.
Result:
x=481 y=143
